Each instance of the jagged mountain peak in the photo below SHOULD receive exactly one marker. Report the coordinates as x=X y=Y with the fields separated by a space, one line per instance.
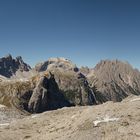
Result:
x=114 y=69
x=19 y=58
x=9 y=66
x=8 y=56
x=114 y=80
x=112 y=63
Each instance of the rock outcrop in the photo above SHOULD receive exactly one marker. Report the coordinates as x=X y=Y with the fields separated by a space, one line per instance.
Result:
x=38 y=100
x=75 y=87
x=9 y=66
x=46 y=96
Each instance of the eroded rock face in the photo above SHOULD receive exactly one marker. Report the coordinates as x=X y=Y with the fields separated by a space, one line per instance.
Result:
x=9 y=66
x=114 y=80
x=74 y=86
x=38 y=100
x=46 y=96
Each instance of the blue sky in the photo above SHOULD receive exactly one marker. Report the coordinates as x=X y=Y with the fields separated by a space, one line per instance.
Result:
x=84 y=31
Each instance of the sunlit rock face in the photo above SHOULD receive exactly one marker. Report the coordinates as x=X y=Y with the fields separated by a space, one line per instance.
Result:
x=114 y=80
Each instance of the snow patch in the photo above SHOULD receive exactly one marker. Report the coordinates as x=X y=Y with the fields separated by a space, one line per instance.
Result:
x=4 y=124
x=2 y=106
x=106 y=119
x=23 y=80
x=74 y=116
x=34 y=116
x=136 y=99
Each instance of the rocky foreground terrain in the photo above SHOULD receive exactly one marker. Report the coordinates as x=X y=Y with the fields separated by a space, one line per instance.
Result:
x=58 y=100
x=109 y=121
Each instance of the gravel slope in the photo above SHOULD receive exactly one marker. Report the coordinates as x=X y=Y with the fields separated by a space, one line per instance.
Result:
x=109 y=121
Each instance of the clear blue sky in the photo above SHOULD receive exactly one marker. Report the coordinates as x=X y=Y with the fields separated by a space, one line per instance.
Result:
x=84 y=31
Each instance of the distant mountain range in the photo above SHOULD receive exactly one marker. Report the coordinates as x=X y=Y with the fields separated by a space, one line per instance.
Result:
x=58 y=82
x=9 y=66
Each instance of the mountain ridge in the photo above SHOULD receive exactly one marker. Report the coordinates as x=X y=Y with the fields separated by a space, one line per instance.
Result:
x=9 y=66
x=107 y=81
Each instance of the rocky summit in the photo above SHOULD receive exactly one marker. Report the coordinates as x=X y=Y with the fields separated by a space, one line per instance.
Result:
x=114 y=80
x=58 y=84
x=9 y=66
x=56 y=63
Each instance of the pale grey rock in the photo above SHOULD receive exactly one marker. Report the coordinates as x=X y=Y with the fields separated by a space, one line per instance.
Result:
x=56 y=63
x=114 y=80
